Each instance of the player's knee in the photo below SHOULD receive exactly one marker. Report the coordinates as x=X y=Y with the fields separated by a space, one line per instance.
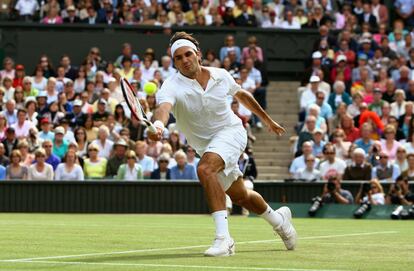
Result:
x=205 y=170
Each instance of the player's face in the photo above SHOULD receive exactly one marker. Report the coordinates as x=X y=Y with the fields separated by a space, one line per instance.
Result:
x=186 y=60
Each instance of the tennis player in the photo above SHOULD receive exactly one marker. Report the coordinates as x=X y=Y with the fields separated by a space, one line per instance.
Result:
x=197 y=97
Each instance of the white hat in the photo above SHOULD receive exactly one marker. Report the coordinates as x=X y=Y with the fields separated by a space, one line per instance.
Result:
x=314 y=79
x=341 y=58
x=316 y=54
x=59 y=130
x=77 y=103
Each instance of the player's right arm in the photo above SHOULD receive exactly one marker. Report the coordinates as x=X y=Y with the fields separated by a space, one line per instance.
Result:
x=161 y=116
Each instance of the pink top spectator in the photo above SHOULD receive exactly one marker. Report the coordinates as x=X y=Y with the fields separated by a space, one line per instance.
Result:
x=392 y=153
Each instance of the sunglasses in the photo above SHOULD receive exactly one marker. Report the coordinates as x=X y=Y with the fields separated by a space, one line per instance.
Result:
x=131 y=158
x=163 y=161
x=93 y=149
x=310 y=160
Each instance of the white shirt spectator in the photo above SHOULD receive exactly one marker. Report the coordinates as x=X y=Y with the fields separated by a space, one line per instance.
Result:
x=69 y=136
x=75 y=174
x=299 y=163
x=396 y=110
x=165 y=73
x=104 y=150
x=336 y=168
x=147 y=164
x=255 y=75
x=41 y=86
x=147 y=74
x=11 y=117
x=4 y=74
x=131 y=175
x=292 y=25
x=307 y=98
x=46 y=174
x=22 y=131
x=269 y=24
x=27 y=7
x=304 y=174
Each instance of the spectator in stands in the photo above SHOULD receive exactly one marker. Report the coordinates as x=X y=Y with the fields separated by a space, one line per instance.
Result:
x=377 y=103
x=375 y=195
x=299 y=162
x=325 y=108
x=52 y=17
x=103 y=142
x=92 y=17
x=408 y=173
x=94 y=167
x=399 y=193
x=60 y=145
x=162 y=172
x=341 y=145
x=10 y=112
x=4 y=160
x=367 y=16
x=359 y=169
x=69 y=170
x=339 y=96
x=8 y=69
x=289 y=22
x=380 y=11
x=309 y=95
x=72 y=17
x=192 y=159
x=398 y=107
x=385 y=171
x=8 y=89
x=51 y=158
x=144 y=160
x=230 y=46
x=309 y=173
x=332 y=166
x=40 y=170
x=16 y=171
x=306 y=132
x=335 y=194
x=318 y=143
x=27 y=157
x=365 y=142
x=10 y=142
x=389 y=145
x=246 y=18
x=182 y=171
x=351 y=132
x=119 y=157
x=401 y=159
x=27 y=9
x=130 y=170
x=404 y=10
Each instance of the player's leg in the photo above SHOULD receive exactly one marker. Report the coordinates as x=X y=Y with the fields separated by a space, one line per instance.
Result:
x=208 y=167
x=254 y=202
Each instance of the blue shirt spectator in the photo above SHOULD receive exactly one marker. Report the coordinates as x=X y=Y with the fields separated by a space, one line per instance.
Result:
x=47 y=136
x=186 y=173
x=2 y=172
x=364 y=145
x=53 y=160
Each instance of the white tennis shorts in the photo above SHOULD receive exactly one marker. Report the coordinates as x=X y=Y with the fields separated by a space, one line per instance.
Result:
x=229 y=144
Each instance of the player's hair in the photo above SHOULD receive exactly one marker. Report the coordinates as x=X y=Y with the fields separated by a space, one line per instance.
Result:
x=186 y=36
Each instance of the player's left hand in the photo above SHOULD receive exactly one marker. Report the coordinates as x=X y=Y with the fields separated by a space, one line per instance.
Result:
x=274 y=127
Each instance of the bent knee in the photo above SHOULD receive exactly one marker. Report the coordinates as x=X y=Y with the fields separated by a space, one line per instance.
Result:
x=206 y=170
x=240 y=199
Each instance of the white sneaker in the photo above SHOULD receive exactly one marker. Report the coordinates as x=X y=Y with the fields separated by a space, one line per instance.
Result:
x=222 y=247
x=286 y=231
x=259 y=125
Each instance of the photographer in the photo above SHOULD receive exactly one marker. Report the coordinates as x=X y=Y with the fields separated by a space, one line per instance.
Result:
x=371 y=192
x=399 y=193
x=333 y=193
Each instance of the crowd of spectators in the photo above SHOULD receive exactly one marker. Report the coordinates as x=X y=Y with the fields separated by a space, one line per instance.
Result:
x=71 y=122
x=285 y=14
x=356 y=101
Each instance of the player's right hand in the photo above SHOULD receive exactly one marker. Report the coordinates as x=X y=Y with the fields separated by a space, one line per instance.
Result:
x=155 y=136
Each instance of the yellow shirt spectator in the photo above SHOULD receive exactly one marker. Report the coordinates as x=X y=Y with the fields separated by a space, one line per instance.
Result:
x=94 y=170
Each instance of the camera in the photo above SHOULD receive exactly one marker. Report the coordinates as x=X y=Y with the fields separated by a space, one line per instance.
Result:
x=363 y=209
x=407 y=214
x=316 y=204
x=366 y=187
x=331 y=186
x=397 y=212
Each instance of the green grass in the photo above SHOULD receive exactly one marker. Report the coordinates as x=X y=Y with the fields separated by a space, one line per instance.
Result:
x=324 y=244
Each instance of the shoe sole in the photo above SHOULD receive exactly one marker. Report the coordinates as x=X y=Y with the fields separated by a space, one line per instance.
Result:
x=230 y=252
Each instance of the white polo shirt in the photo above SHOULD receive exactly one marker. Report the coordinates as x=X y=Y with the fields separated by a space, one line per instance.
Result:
x=200 y=113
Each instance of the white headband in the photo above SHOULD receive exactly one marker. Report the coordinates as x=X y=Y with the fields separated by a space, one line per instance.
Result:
x=181 y=43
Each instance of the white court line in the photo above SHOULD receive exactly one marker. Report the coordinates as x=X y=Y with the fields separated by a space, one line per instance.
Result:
x=190 y=247
x=182 y=266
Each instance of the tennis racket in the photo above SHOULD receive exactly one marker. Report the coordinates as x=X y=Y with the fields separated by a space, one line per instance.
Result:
x=134 y=105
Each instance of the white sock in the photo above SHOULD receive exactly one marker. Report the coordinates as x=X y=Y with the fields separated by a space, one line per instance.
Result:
x=274 y=218
x=222 y=226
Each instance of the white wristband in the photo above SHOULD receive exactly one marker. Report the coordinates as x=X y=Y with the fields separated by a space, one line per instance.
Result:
x=159 y=124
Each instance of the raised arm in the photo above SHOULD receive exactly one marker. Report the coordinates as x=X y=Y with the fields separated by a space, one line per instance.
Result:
x=247 y=99
x=161 y=116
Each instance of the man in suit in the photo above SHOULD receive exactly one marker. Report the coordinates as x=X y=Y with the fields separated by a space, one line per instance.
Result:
x=368 y=17
x=162 y=172
x=246 y=19
x=92 y=16
x=72 y=18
